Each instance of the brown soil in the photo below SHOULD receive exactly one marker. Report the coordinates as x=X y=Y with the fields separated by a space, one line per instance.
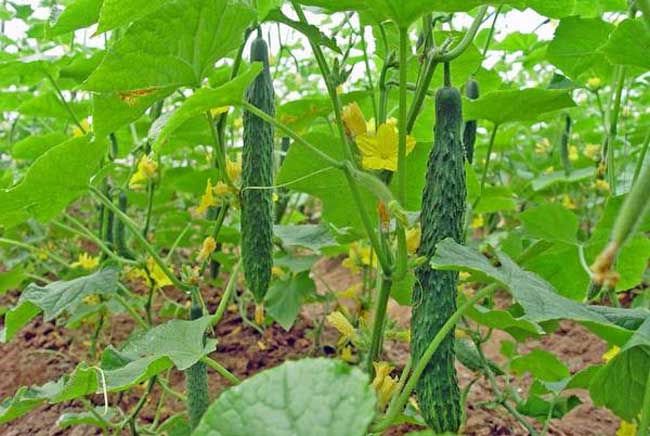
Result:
x=43 y=351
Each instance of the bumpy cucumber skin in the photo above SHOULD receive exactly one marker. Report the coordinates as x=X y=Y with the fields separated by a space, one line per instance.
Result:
x=196 y=381
x=257 y=170
x=564 y=145
x=472 y=92
x=120 y=235
x=434 y=295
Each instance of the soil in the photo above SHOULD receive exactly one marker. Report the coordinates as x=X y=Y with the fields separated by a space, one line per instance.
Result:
x=43 y=351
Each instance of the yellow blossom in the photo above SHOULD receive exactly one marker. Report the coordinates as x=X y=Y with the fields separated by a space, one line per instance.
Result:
x=207 y=199
x=347 y=356
x=259 y=314
x=275 y=197
x=601 y=185
x=477 y=222
x=464 y=275
x=460 y=334
x=341 y=323
x=568 y=202
x=383 y=383
x=611 y=353
x=261 y=345
x=549 y=170
x=221 y=189
x=379 y=151
x=353 y=120
x=233 y=169
x=77 y=131
x=160 y=279
x=542 y=146
x=573 y=153
x=278 y=272
x=413 y=237
x=209 y=244
x=592 y=151
x=86 y=261
x=147 y=168
x=351 y=293
x=91 y=300
x=43 y=254
x=238 y=123
x=219 y=110
x=594 y=83
x=359 y=256
x=626 y=429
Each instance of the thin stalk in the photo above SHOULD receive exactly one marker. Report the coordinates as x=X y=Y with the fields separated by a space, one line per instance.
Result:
x=125 y=304
x=138 y=407
x=34 y=249
x=147 y=217
x=486 y=47
x=227 y=294
x=610 y=138
x=133 y=228
x=642 y=156
x=644 y=423
x=221 y=370
x=450 y=324
x=487 y=162
x=65 y=104
x=371 y=85
x=380 y=320
x=401 y=150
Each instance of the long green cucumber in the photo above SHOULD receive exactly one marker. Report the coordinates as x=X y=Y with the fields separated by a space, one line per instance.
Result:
x=257 y=170
x=564 y=145
x=196 y=381
x=472 y=92
x=434 y=295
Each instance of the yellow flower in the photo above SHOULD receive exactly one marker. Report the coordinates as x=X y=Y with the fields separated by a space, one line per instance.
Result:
x=351 y=293
x=341 y=323
x=221 y=189
x=159 y=277
x=259 y=314
x=261 y=345
x=278 y=272
x=379 y=151
x=347 y=356
x=147 y=168
x=238 y=123
x=86 y=261
x=568 y=202
x=359 y=256
x=209 y=244
x=464 y=275
x=573 y=153
x=413 y=236
x=592 y=151
x=626 y=429
x=460 y=334
x=91 y=300
x=611 y=353
x=353 y=120
x=233 y=169
x=477 y=222
x=76 y=131
x=219 y=110
x=549 y=170
x=383 y=383
x=602 y=185
x=207 y=199
x=542 y=146
x=594 y=83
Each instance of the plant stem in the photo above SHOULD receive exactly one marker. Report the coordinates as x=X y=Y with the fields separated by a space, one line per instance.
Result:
x=487 y=164
x=644 y=423
x=374 y=352
x=450 y=324
x=125 y=304
x=610 y=136
x=65 y=104
x=227 y=294
x=642 y=156
x=371 y=85
x=34 y=249
x=133 y=228
x=401 y=150
x=221 y=370
x=147 y=217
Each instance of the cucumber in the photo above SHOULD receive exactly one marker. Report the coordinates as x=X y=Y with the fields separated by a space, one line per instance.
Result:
x=257 y=170
x=196 y=382
x=434 y=295
x=564 y=145
x=469 y=129
x=119 y=230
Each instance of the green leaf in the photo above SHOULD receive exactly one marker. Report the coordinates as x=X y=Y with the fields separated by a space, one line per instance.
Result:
x=547 y=180
x=539 y=408
x=308 y=172
x=620 y=385
x=116 y=13
x=319 y=397
x=402 y=290
x=56 y=298
x=33 y=146
x=516 y=105
x=537 y=297
x=285 y=298
x=202 y=101
x=540 y=364
x=11 y=279
x=551 y=222
x=49 y=105
x=176 y=342
x=55 y=179
x=310 y=31
x=629 y=44
x=311 y=236
x=77 y=15
x=520 y=329
x=576 y=45
x=175 y=46
x=560 y=265
x=70 y=419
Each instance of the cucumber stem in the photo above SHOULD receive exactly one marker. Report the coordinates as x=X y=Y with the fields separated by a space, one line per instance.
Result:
x=401 y=149
x=644 y=423
x=374 y=352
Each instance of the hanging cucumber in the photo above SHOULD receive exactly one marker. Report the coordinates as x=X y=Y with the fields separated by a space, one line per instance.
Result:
x=196 y=380
x=434 y=295
x=119 y=230
x=469 y=129
x=564 y=145
x=257 y=170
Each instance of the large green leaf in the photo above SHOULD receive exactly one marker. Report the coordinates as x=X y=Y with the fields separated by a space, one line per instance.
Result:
x=629 y=44
x=175 y=46
x=33 y=146
x=116 y=13
x=202 y=101
x=620 y=385
x=77 y=15
x=56 y=298
x=176 y=342
x=285 y=297
x=575 y=47
x=55 y=179
x=537 y=297
x=311 y=236
x=318 y=397
x=540 y=364
x=516 y=105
